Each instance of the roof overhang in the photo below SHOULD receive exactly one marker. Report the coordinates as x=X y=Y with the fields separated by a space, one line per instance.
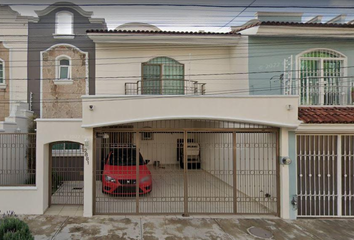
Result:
x=298 y=31
x=156 y=38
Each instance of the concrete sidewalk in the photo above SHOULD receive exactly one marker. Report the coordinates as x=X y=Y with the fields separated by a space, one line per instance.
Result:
x=174 y=228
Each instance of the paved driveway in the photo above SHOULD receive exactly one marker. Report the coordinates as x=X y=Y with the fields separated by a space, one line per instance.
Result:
x=174 y=228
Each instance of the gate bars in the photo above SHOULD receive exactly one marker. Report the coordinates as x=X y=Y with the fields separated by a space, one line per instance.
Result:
x=179 y=184
x=325 y=175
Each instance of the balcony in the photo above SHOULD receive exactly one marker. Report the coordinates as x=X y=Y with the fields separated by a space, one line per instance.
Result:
x=323 y=91
x=166 y=87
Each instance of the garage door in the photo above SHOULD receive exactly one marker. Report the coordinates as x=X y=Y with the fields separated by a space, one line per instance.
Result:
x=186 y=172
x=325 y=175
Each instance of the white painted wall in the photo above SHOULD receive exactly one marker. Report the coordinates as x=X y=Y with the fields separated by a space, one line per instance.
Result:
x=120 y=63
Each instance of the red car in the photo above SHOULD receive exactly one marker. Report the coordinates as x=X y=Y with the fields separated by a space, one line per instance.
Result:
x=119 y=173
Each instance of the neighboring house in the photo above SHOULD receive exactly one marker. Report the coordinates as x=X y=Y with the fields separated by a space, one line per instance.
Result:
x=313 y=60
x=219 y=116
x=61 y=60
x=14 y=114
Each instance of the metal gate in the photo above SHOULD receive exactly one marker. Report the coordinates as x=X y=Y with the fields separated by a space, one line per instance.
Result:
x=325 y=175
x=66 y=174
x=186 y=171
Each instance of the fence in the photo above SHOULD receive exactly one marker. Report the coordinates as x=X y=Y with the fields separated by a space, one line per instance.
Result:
x=17 y=159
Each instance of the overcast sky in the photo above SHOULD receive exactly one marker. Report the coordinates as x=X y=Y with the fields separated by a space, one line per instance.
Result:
x=193 y=17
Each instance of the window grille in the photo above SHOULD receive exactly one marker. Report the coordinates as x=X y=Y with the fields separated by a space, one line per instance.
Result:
x=163 y=75
x=322 y=78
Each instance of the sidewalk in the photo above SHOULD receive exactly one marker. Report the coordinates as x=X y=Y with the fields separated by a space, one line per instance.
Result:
x=175 y=228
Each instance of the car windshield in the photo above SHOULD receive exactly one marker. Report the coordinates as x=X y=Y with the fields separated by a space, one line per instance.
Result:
x=124 y=157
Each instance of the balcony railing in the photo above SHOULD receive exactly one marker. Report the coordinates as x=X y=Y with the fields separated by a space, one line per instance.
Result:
x=325 y=91
x=168 y=87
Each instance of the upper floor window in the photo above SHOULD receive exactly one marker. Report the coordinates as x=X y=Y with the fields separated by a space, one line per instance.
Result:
x=64 y=23
x=64 y=72
x=322 y=78
x=163 y=75
x=2 y=72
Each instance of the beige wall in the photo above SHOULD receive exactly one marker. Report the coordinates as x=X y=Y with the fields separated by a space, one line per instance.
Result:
x=5 y=93
x=266 y=110
x=118 y=64
x=63 y=101
x=13 y=35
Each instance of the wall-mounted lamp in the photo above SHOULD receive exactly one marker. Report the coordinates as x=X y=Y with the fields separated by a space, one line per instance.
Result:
x=87 y=142
x=286 y=161
x=91 y=107
x=294 y=202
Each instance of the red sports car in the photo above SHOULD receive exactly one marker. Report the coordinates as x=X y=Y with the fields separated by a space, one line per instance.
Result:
x=119 y=173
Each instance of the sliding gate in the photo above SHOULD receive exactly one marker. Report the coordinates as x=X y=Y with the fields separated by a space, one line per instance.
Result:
x=186 y=172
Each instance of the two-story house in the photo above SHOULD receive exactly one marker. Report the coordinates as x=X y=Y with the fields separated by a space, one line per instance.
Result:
x=138 y=120
x=314 y=61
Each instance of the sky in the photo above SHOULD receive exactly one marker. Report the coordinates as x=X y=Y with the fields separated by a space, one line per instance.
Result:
x=207 y=15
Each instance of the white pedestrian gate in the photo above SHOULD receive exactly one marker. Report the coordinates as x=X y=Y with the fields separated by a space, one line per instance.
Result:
x=325 y=175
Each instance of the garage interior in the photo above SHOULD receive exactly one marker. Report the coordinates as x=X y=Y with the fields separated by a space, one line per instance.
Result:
x=186 y=167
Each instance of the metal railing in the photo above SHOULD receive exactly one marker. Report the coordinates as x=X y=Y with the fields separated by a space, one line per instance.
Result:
x=325 y=91
x=165 y=87
x=17 y=159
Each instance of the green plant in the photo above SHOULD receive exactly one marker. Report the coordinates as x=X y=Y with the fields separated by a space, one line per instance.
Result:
x=12 y=228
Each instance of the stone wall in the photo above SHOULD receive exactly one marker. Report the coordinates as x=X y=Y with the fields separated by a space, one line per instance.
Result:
x=5 y=93
x=63 y=101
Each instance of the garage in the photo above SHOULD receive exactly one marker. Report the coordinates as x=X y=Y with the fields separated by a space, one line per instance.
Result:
x=186 y=167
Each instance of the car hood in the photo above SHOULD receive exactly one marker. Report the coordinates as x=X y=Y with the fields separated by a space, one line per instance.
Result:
x=125 y=172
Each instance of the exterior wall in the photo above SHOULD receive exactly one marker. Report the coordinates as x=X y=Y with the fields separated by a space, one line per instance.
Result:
x=267 y=110
x=267 y=54
x=118 y=64
x=5 y=93
x=40 y=38
x=13 y=36
x=37 y=197
x=63 y=101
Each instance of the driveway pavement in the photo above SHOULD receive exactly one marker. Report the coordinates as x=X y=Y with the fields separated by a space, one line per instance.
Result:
x=175 y=228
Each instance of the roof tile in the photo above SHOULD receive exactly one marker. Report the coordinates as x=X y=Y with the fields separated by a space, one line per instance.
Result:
x=344 y=115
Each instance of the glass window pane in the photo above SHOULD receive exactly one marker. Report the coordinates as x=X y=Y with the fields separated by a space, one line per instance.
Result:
x=64 y=23
x=64 y=62
x=58 y=146
x=64 y=72
x=1 y=74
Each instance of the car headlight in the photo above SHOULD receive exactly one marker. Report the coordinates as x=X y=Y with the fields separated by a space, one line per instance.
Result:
x=109 y=179
x=145 y=179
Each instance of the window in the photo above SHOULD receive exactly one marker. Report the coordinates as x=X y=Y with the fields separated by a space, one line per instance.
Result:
x=163 y=75
x=64 y=23
x=2 y=69
x=67 y=148
x=321 y=78
x=64 y=69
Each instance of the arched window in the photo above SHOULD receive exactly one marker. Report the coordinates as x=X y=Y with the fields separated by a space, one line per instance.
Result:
x=64 y=69
x=64 y=23
x=2 y=72
x=321 y=74
x=162 y=75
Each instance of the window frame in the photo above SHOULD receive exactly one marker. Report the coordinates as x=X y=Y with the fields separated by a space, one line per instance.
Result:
x=161 y=78
x=58 y=68
x=321 y=59
x=57 y=33
x=3 y=79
